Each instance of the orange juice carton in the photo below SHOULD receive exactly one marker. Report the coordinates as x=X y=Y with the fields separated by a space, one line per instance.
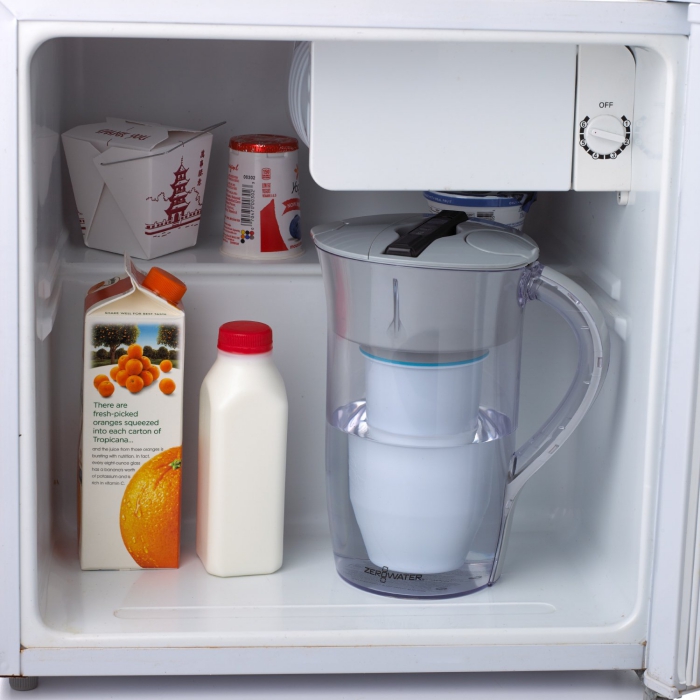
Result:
x=130 y=467
x=138 y=186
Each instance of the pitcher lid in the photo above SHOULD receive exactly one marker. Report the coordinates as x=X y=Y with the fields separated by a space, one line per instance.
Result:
x=446 y=240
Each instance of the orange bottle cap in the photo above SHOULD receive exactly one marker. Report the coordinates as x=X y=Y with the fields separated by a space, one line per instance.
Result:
x=165 y=285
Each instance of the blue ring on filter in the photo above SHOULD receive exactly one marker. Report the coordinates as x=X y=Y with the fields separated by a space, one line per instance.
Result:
x=401 y=363
x=467 y=201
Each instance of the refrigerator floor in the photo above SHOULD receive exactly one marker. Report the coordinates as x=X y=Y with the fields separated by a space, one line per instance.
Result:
x=545 y=596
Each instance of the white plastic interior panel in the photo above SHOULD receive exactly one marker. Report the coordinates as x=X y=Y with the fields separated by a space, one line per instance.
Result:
x=575 y=587
x=446 y=115
x=604 y=125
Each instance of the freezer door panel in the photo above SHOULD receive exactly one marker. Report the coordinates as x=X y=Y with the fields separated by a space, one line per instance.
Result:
x=442 y=115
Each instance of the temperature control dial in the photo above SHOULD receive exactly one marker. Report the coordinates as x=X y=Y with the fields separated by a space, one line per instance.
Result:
x=604 y=137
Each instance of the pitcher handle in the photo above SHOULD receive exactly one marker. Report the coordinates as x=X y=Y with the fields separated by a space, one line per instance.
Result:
x=586 y=320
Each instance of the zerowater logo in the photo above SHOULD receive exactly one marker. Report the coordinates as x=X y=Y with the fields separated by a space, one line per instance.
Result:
x=385 y=574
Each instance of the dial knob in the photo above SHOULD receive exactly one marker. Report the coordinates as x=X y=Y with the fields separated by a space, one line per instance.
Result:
x=604 y=136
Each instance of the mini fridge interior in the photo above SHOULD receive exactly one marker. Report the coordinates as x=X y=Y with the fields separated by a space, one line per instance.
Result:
x=578 y=586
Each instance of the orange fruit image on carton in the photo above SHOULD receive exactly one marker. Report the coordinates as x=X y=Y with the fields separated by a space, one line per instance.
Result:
x=134 y=372
x=167 y=386
x=133 y=367
x=134 y=384
x=99 y=379
x=149 y=517
x=106 y=388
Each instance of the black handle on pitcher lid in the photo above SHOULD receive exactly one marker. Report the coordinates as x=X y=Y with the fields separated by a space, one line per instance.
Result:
x=414 y=242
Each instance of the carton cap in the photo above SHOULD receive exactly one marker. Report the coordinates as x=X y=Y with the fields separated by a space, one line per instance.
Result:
x=165 y=285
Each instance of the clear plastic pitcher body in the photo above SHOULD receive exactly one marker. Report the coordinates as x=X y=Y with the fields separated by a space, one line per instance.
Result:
x=422 y=408
x=416 y=469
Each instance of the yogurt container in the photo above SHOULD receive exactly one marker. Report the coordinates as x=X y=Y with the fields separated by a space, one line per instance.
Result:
x=509 y=208
x=262 y=219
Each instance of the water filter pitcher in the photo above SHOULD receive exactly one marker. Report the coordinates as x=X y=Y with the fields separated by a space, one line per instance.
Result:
x=425 y=320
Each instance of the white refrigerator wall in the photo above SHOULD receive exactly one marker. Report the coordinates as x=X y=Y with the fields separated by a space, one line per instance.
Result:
x=575 y=590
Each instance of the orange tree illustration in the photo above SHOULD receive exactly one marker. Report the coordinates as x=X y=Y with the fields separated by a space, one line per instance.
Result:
x=112 y=337
x=168 y=335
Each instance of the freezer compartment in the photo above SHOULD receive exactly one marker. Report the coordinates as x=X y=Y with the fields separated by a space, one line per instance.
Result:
x=454 y=113
x=575 y=586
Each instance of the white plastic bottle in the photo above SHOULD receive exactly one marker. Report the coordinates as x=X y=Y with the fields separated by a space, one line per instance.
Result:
x=242 y=455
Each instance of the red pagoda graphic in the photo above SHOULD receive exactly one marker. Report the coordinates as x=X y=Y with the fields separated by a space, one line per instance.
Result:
x=178 y=199
x=176 y=213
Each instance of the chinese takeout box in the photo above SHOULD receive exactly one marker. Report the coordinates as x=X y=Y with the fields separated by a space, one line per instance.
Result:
x=139 y=186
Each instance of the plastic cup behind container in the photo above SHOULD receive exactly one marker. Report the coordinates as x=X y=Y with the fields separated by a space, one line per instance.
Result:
x=420 y=509
x=423 y=399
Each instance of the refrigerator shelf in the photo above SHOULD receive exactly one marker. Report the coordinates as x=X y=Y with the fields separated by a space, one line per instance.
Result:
x=548 y=595
x=203 y=259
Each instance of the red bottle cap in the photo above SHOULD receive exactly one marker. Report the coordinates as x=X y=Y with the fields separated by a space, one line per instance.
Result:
x=245 y=337
x=263 y=143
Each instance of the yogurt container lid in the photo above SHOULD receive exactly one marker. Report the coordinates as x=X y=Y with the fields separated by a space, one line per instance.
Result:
x=481 y=199
x=263 y=143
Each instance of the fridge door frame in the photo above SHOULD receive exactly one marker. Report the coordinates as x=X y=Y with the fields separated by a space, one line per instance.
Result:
x=674 y=634
x=9 y=354
x=504 y=15
x=667 y=597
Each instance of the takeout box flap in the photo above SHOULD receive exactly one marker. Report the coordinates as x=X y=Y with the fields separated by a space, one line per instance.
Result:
x=111 y=231
x=126 y=134
x=86 y=179
x=120 y=121
x=129 y=183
